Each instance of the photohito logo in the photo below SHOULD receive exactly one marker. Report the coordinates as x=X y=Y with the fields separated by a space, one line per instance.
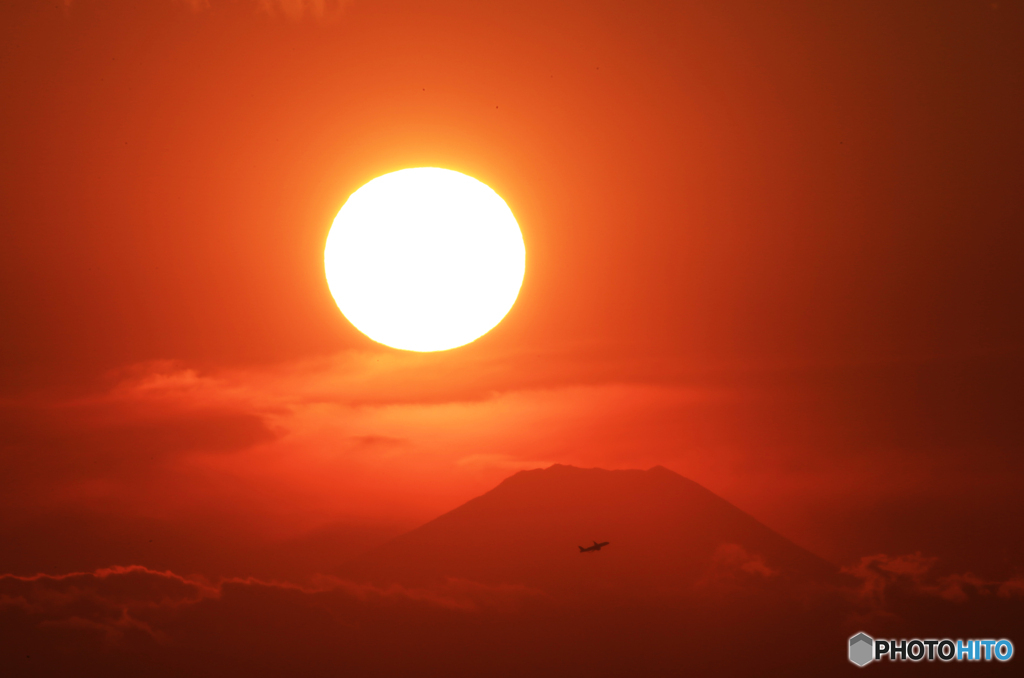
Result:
x=865 y=649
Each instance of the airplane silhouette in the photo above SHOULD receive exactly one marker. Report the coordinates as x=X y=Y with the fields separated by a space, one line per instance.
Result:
x=595 y=547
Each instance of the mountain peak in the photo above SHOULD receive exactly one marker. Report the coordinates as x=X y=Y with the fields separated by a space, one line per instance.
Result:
x=664 y=532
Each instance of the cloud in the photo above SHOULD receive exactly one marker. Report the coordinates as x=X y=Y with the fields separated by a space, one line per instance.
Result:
x=134 y=434
x=292 y=10
x=119 y=586
x=882 y=577
x=734 y=569
x=107 y=602
x=296 y=10
x=114 y=601
x=316 y=441
x=133 y=620
x=734 y=558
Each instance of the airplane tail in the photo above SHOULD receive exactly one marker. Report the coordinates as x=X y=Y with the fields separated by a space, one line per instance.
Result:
x=581 y=549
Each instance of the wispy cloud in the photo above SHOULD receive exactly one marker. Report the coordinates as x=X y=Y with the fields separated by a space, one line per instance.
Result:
x=352 y=435
x=882 y=577
x=292 y=10
x=114 y=601
x=297 y=10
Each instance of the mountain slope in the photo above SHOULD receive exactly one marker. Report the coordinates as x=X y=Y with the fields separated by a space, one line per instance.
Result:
x=666 y=533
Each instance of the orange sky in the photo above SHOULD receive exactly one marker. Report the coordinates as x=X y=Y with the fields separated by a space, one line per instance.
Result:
x=774 y=248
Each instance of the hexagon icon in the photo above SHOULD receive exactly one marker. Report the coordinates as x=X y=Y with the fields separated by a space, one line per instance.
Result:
x=861 y=649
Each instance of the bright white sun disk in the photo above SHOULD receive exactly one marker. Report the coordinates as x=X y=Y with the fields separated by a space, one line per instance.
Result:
x=425 y=259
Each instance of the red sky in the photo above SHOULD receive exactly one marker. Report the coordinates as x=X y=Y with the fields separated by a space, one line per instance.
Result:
x=773 y=247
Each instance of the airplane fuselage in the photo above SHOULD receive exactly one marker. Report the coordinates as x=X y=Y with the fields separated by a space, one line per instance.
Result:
x=595 y=547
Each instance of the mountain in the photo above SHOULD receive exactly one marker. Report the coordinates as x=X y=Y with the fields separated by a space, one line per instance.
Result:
x=666 y=534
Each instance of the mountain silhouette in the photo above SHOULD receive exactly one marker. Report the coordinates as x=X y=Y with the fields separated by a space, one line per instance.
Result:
x=667 y=534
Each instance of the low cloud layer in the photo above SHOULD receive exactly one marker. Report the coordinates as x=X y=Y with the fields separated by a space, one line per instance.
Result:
x=882 y=577
x=118 y=598
x=120 y=619
x=114 y=617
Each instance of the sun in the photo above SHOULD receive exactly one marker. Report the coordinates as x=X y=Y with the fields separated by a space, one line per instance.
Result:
x=425 y=259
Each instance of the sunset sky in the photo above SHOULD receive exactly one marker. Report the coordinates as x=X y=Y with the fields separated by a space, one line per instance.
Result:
x=774 y=247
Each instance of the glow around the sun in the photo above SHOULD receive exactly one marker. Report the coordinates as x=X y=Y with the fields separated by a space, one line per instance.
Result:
x=425 y=259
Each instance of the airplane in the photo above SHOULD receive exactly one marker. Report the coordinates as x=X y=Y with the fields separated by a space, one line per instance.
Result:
x=595 y=547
